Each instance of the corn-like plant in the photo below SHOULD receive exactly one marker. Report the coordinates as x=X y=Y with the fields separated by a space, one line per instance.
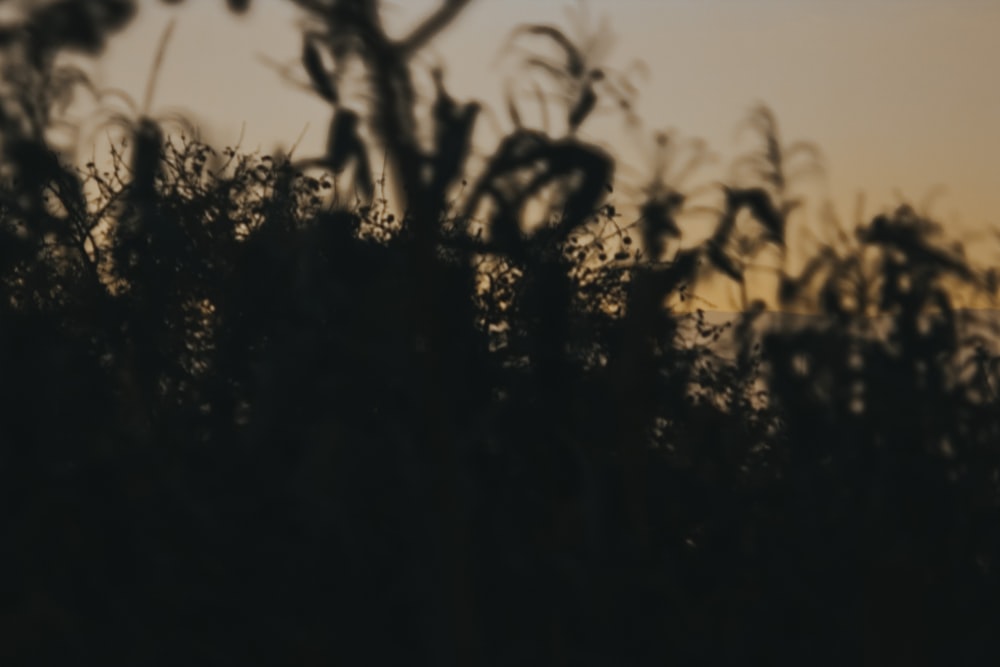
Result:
x=581 y=73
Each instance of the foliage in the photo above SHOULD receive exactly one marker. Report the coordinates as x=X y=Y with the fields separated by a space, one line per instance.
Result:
x=252 y=417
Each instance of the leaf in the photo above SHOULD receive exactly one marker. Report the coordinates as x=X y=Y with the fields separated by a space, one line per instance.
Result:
x=574 y=59
x=760 y=119
x=161 y=50
x=546 y=66
x=363 y=174
x=722 y=261
x=757 y=165
x=727 y=223
x=788 y=290
x=658 y=220
x=680 y=272
x=342 y=141
x=597 y=169
x=320 y=78
x=515 y=116
x=583 y=107
x=763 y=209
x=542 y=105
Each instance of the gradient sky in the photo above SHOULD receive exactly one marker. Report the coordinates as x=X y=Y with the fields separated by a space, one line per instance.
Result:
x=899 y=94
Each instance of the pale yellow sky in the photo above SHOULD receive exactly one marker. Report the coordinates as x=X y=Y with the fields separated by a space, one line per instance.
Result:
x=898 y=93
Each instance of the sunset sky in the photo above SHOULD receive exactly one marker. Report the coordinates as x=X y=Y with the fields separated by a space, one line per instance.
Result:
x=899 y=94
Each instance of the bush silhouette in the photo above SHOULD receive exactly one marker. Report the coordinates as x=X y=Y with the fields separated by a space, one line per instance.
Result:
x=251 y=416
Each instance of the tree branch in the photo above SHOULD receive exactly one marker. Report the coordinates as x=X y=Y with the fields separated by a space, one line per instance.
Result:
x=431 y=26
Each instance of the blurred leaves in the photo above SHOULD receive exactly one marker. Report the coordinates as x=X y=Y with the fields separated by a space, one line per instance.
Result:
x=581 y=73
x=320 y=78
x=260 y=420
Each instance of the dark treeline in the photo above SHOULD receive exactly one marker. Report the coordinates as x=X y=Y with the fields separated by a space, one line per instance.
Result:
x=250 y=416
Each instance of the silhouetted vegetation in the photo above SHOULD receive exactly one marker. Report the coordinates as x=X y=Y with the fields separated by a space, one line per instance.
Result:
x=252 y=414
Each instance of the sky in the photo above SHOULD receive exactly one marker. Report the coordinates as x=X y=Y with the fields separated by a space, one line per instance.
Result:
x=900 y=95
